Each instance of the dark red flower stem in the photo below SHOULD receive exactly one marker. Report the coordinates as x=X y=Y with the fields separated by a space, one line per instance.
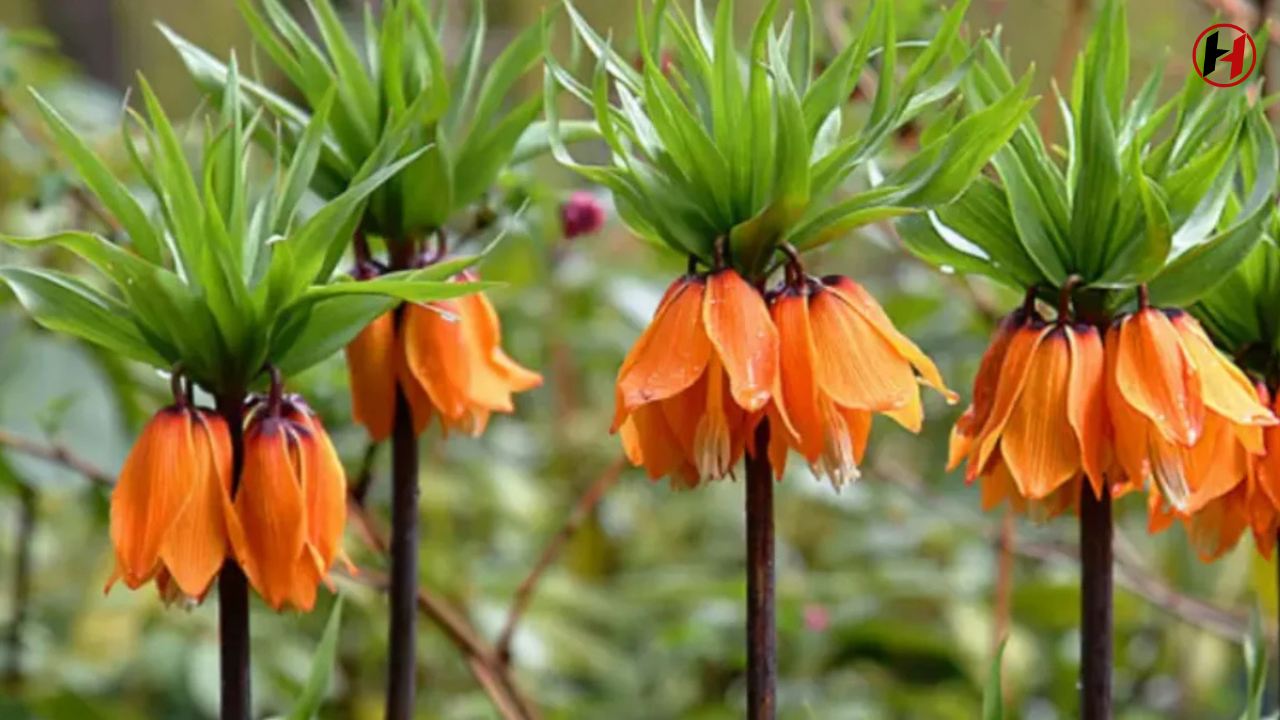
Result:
x=233 y=587
x=762 y=633
x=403 y=591
x=1097 y=634
x=1096 y=591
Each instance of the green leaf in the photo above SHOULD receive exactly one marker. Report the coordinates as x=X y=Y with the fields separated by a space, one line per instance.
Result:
x=535 y=142
x=1196 y=271
x=308 y=705
x=310 y=331
x=62 y=303
x=1255 y=661
x=414 y=290
x=993 y=693
x=95 y=173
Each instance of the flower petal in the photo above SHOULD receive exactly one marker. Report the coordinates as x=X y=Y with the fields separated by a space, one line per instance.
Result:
x=1086 y=403
x=799 y=389
x=1157 y=379
x=1013 y=378
x=271 y=509
x=856 y=366
x=670 y=355
x=1225 y=389
x=436 y=355
x=371 y=371
x=1038 y=444
x=742 y=333
x=196 y=545
x=862 y=301
x=152 y=489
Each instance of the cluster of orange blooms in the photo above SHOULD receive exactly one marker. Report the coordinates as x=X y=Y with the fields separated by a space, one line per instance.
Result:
x=176 y=517
x=1152 y=405
x=447 y=357
x=817 y=357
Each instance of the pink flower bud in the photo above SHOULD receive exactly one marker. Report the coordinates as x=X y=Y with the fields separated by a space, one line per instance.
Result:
x=581 y=215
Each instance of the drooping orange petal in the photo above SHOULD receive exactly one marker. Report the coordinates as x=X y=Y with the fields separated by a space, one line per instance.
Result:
x=1217 y=464
x=1086 y=403
x=1170 y=466
x=670 y=355
x=371 y=364
x=959 y=444
x=324 y=488
x=436 y=355
x=1217 y=527
x=739 y=327
x=272 y=510
x=1038 y=443
x=1013 y=378
x=988 y=376
x=1129 y=427
x=799 y=388
x=997 y=485
x=1160 y=516
x=683 y=412
x=862 y=301
x=1157 y=379
x=1224 y=387
x=196 y=545
x=856 y=366
x=659 y=449
x=488 y=333
x=154 y=485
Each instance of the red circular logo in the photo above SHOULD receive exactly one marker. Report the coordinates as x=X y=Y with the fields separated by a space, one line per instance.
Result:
x=1224 y=46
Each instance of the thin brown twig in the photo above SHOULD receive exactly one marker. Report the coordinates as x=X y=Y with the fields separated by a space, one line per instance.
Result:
x=35 y=136
x=586 y=503
x=57 y=454
x=493 y=674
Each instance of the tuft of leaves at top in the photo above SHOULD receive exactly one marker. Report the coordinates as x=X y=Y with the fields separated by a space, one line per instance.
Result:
x=1139 y=193
x=392 y=93
x=217 y=274
x=751 y=146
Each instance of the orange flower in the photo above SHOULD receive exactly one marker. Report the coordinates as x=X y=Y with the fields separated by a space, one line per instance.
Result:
x=1237 y=494
x=372 y=364
x=1037 y=427
x=449 y=360
x=1173 y=398
x=324 y=484
x=841 y=360
x=291 y=503
x=170 y=510
x=692 y=390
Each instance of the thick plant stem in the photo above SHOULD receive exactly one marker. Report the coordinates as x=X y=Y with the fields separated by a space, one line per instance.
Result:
x=21 y=586
x=762 y=633
x=403 y=592
x=1095 y=606
x=233 y=588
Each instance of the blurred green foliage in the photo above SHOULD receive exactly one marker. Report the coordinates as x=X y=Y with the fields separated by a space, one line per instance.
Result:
x=886 y=590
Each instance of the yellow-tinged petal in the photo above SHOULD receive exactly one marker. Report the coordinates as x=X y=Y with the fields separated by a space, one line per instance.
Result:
x=1224 y=387
x=862 y=301
x=856 y=366
x=799 y=389
x=1017 y=366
